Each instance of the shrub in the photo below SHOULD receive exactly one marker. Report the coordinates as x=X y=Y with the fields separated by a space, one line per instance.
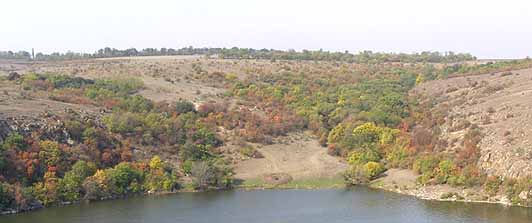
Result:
x=492 y=185
x=493 y=88
x=362 y=157
x=183 y=107
x=97 y=186
x=425 y=164
x=75 y=129
x=191 y=151
x=250 y=151
x=424 y=179
x=14 y=141
x=356 y=175
x=7 y=196
x=366 y=135
x=123 y=179
x=136 y=104
x=449 y=195
x=158 y=179
x=373 y=169
x=50 y=153
x=203 y=174
x=64 y=81
x=446 y=169
x=47 y=191
x=398 y=155
x=70 y=187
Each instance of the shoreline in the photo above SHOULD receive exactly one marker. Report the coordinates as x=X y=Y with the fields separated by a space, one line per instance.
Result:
x=418 y=193
x=422 y=194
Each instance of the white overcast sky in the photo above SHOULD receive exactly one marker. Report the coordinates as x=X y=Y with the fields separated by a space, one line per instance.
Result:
x=488 y=29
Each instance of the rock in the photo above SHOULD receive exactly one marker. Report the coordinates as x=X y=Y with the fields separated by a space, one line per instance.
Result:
x=524 y=195
x=13 y=76
x=277 y=178
x=505 y=201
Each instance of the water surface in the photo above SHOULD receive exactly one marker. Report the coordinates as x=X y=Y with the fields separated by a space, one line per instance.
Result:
x=276 y=206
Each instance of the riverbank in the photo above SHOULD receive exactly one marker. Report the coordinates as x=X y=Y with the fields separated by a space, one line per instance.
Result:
x=307 y=183
x=358 y=204
x=403 y=181
x=394 y=180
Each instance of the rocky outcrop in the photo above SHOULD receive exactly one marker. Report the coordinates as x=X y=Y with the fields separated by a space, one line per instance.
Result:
x=48 y=126
x=5 y=129
x=499 y=105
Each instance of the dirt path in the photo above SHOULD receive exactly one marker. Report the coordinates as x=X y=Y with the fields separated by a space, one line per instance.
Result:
x=301 y=159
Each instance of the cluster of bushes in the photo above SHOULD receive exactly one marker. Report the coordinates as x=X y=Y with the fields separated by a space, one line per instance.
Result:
x=103 y=92
x=490 y=67
x=370 y=150
x=85 y=182
x=322 y=102
x=45 y=169
x=47 y=173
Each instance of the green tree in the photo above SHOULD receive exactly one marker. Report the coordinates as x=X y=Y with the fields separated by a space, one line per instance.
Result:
x=50 y=153
x=124 y=179
x=70 y=187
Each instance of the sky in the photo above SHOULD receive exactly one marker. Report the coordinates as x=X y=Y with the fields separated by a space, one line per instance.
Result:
x=485 y=28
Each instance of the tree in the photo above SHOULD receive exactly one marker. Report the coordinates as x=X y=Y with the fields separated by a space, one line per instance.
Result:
x=70 y=187
x=96 y=186
x=47 y=191
x=7 y=196
x=123 y=179
x=14 y=142
x=50 y=153
x=203 y=174
x=157 y=178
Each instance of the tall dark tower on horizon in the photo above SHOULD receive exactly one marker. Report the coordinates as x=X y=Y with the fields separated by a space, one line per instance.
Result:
x=32 y=54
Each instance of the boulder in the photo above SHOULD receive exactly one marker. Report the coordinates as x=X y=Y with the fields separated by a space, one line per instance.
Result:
x=13 y=76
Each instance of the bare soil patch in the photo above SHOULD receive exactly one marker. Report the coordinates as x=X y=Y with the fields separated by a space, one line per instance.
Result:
x=300 y=158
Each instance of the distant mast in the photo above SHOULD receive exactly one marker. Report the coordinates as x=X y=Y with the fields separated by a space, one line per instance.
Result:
x=32 y=54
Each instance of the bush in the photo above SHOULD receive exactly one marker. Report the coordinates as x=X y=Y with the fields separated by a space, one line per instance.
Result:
x=363 y=174
x=7 y=196
x=14 y=141
x=250 y=151
x=123 y=179
x=212 y=173
x=75 y=129
x=203 y=174
x=356 y=175
x=136 y=104
x=363 y=156
x=96 y=187
x=70 y=187
x=449 y=195
x=373 y=169
x=184 y=106
x=425 y=164
x=446 y=169
x=492 y=185
x=158 y=179
x=424 y=179
x=398 y=156
x=64 y=81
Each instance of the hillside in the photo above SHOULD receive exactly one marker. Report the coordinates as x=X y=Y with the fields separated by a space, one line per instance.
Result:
x=106 y=128
x=500 y=104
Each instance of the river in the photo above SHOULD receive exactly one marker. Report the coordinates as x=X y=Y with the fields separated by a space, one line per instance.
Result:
x=358 y=204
